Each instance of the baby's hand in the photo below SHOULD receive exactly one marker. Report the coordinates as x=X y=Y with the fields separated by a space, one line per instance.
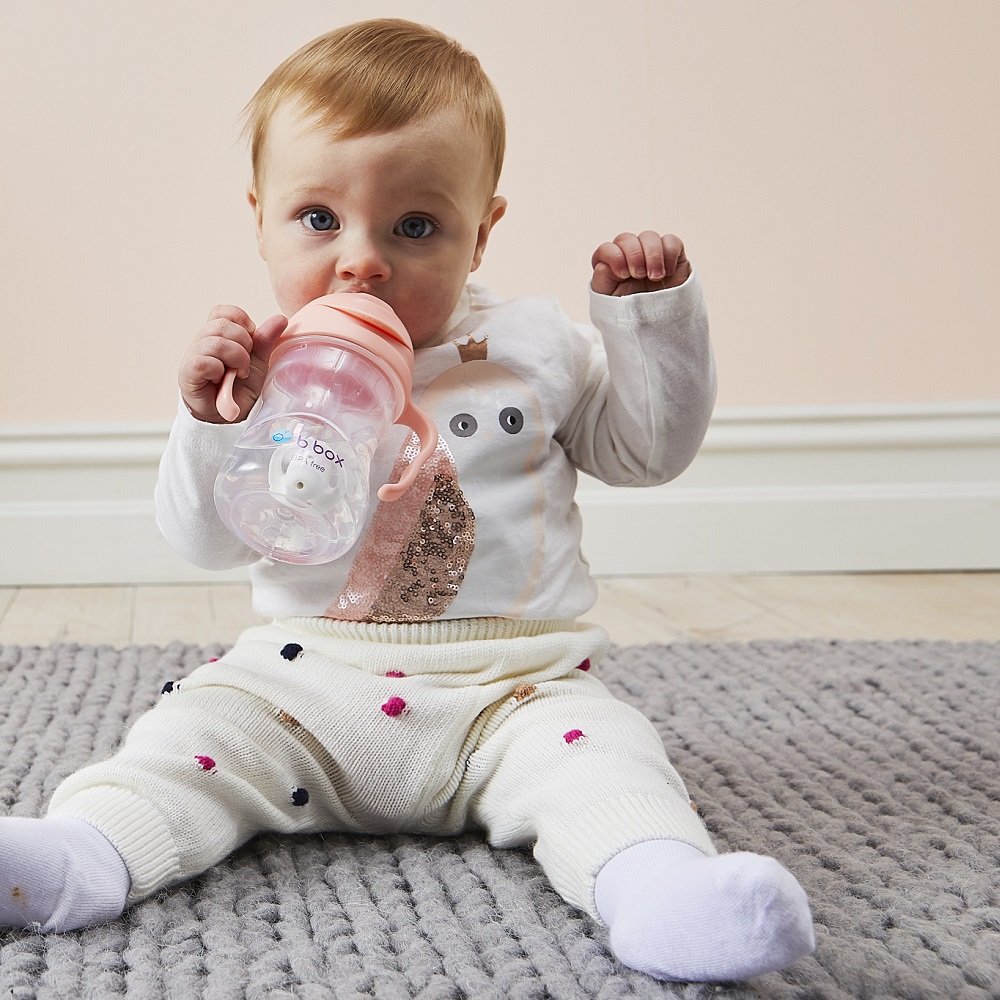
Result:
x=644 y=263
x=228 y=345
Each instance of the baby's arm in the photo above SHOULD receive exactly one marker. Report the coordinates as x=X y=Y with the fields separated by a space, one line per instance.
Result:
x=201 y=438
x=229 y=341
x=647 y=384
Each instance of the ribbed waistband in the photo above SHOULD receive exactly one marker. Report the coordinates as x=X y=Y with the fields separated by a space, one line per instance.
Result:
x=434 y=633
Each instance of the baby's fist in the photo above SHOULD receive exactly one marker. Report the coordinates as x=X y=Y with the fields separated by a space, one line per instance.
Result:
x=648 y=262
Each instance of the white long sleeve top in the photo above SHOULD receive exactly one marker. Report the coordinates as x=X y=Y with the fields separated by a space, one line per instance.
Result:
x=491 y=528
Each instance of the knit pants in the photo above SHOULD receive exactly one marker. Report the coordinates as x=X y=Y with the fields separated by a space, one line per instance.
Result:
x=309 y=725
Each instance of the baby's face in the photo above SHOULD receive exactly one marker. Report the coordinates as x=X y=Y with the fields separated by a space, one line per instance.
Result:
x=403 y=216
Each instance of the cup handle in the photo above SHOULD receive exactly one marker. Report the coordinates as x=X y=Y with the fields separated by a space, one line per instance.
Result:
x=227 y=406
x=426 y=431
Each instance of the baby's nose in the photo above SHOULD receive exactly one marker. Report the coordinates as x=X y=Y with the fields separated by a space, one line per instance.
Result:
x=361 y=257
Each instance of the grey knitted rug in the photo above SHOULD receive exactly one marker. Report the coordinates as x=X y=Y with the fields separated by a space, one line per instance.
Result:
x=869 y=769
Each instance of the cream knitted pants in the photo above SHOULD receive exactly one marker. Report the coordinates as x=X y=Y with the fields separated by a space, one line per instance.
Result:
x=309 y=725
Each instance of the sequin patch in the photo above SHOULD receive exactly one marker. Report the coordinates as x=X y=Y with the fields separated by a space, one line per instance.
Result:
x=415 y=553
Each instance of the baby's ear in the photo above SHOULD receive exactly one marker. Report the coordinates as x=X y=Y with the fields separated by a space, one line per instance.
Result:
x=494 y=213
x=257 y=213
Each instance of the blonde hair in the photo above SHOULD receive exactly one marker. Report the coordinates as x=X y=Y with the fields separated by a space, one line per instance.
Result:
x=375 y=76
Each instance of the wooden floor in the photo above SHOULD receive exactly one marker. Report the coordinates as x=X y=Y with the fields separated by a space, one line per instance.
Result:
x=633 y=609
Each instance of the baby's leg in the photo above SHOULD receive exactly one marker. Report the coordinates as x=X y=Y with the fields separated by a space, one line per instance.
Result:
x=198 y=775
x=586 y=778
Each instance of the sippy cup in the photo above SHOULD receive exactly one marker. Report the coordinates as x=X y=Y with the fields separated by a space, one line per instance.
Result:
x=296 y=486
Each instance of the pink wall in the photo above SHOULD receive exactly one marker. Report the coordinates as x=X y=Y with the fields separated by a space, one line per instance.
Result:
x=831 y=165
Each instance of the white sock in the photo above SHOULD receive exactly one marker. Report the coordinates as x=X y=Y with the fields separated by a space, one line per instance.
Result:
x=678 y=915
x=58 y=874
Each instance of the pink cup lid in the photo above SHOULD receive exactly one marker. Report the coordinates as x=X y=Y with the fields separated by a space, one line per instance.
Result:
x=360 y=319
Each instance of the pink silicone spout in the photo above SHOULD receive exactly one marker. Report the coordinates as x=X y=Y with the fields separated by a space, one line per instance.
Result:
x=370 y=323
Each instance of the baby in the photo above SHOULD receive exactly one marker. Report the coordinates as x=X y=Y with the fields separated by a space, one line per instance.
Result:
x=436 y=678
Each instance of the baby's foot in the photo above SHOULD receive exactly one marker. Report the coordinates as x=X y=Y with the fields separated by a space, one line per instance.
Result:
x=678 y=915
x=58 y=874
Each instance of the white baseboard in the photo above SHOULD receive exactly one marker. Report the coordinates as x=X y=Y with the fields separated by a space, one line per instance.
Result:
x=815 y=489
x=778 y=489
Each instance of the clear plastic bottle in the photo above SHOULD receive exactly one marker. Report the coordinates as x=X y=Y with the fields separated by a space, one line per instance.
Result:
x=296 y=486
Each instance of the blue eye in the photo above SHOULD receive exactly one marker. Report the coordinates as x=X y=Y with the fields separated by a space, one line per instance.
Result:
x=416 y=227
x=319 y=219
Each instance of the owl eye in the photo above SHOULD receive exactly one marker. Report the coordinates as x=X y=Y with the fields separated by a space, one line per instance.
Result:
x=463 y=425
x=511 y=419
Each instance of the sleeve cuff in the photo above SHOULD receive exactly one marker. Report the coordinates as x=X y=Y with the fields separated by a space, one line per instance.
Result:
x=644 y=309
